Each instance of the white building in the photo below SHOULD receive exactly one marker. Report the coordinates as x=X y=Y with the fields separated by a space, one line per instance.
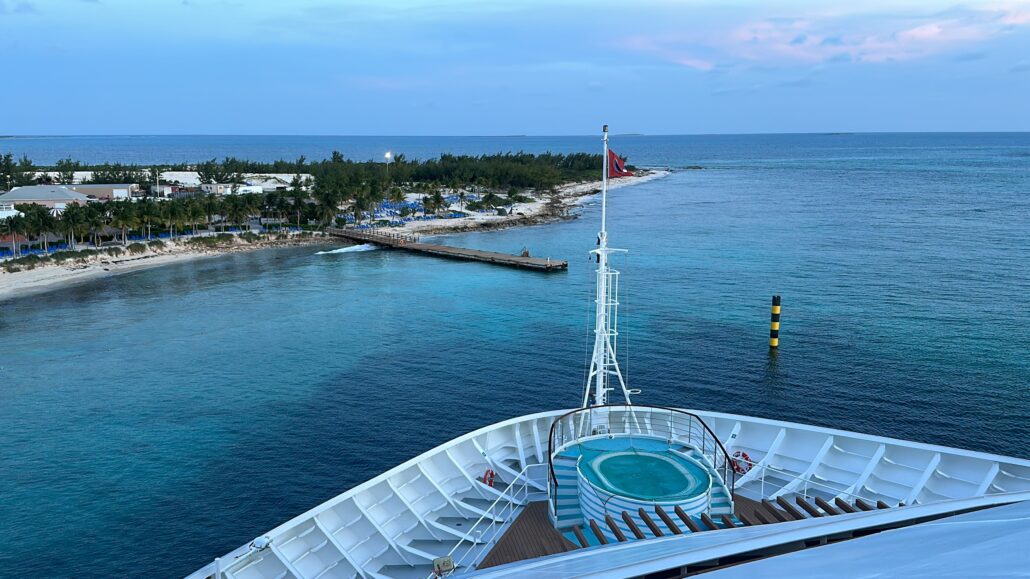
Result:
x=230 y=189
x=106 y=192
x=162 y=190
x=8 y=210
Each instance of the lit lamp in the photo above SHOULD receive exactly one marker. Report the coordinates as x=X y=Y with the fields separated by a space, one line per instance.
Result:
x=388 y=156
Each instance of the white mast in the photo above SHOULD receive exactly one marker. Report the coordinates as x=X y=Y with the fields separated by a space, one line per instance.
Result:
x=603 y=364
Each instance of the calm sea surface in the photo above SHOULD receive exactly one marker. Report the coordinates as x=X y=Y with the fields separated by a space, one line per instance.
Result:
x=151 y=421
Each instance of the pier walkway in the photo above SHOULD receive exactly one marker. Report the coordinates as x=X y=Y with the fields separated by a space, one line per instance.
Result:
x=411 y=243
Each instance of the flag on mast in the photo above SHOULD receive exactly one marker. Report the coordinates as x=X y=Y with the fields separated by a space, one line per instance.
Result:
x=617 y=166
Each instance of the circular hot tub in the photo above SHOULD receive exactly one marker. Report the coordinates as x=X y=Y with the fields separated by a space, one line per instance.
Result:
x=621 y=474
x=649 y=476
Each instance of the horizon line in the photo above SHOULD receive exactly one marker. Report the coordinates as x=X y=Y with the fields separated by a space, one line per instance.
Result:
x=511 y=136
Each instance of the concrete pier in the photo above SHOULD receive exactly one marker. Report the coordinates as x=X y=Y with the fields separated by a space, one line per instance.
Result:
x=411 y=243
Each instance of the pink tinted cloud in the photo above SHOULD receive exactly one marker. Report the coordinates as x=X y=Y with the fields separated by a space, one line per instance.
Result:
x=823 y=37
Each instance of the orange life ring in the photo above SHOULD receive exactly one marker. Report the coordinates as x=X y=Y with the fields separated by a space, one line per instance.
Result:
x=741 y=462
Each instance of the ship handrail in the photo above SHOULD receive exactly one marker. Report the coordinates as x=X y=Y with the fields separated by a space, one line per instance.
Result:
x=718 y=449
x=807 y=480
x=522 y=475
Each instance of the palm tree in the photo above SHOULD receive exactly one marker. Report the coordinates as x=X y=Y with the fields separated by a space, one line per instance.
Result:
x=513 y=197
x=123 y=216
x=96 y=219
x=236 y=209
x=278 y=204
x=73 y=222
x=328 y=203
x=13 y=225
x=491 y=199
x=36 y=223
x=438 y=201
x=195 y=213
x=213 y=206
x=171 y=215
x=253 y=204
x=298 y=195
x=148 y=212
x=395 y=195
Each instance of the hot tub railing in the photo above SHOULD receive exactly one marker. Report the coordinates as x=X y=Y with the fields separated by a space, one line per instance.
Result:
x=670 y=424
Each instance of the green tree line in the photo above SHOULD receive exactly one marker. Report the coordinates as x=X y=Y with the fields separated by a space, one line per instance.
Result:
x=499 y=171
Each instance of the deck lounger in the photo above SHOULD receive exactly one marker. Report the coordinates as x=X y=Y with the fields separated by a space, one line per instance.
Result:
x=579 y=537
x=863 y=505
x=844 y=506
x=808 y=507
x=727 y=522
x=761 y=517
x=597 y=532
x=709 y=522
x=632 y=525
x=687 y=520
x=777 y=513
x=615 y=528
x=667 y=520
x=650 y=523
x=882 y=505
x=791 y=509
x=826 y=506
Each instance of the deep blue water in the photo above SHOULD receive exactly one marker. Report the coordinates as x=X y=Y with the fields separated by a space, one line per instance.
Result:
x=151 y=421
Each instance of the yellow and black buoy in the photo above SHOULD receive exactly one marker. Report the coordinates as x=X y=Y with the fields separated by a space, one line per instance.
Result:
x=774 y=323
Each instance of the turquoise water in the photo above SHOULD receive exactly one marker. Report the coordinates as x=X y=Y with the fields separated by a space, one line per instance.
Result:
x=641 y=469
x=153 y=420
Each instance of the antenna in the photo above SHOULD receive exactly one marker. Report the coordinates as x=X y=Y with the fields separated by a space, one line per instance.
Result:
x=603 y=363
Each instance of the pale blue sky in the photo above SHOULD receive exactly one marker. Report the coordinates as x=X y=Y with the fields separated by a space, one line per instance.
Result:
x=471 y=67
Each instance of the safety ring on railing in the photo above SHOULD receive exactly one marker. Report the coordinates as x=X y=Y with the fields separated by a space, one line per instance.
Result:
x=741 y=462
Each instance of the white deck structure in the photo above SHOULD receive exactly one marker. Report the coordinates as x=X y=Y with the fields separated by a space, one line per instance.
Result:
x=396 y=524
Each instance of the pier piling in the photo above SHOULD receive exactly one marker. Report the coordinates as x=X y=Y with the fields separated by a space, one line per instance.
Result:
x=774 y=323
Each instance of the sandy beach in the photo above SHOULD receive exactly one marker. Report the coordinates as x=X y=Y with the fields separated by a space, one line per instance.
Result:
x=52 y=276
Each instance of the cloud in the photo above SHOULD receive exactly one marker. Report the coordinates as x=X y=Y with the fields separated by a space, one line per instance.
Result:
x=17 y=7
x=822 y=36
x=667 y=48
x=970 y=56
x=1023 y=66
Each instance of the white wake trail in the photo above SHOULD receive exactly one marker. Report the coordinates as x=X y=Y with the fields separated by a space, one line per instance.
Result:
x=349 y=249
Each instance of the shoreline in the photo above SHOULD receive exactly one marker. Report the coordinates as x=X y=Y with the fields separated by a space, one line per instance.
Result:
x=52 y=277
x=536 y=212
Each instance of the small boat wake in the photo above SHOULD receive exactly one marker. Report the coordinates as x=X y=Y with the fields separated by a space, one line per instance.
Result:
x=349 y=249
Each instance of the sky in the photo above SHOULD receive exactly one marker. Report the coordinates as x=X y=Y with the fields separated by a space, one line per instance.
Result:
x=477 y=67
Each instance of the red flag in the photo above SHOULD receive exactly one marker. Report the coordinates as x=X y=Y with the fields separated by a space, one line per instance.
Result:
x=616 y=166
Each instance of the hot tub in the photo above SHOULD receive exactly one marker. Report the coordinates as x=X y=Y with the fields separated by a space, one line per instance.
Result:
x=629 y=473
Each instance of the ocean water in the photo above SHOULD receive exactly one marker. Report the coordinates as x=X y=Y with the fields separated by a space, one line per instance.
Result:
x=153 y=420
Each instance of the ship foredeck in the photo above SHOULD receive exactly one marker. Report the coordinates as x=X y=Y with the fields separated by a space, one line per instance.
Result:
x=477 y=499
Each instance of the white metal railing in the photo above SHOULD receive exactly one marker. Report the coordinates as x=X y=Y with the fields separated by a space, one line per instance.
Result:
x=496 y=518
x=802 y=487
